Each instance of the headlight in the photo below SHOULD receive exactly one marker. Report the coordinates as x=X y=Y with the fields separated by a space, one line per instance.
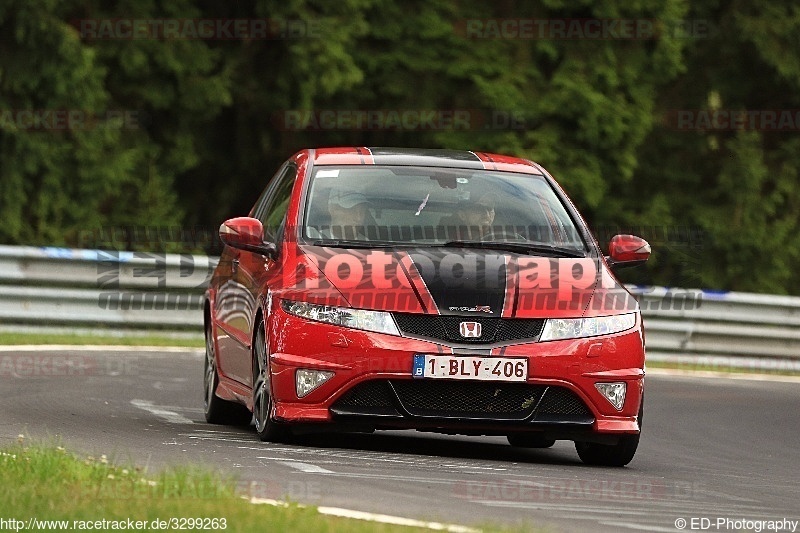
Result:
x=575 y=328
x=378 y=321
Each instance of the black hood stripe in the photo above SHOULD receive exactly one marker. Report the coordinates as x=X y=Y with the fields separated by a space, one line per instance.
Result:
x=512 y=288
x=413 y=285
x=417 y=283
x=459 y=282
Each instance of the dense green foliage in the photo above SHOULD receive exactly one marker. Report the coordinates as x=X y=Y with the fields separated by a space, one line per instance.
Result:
x=720 y=205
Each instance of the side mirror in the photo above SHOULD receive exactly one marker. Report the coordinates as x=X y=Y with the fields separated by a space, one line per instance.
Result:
x=627 y=251
x=245 y=233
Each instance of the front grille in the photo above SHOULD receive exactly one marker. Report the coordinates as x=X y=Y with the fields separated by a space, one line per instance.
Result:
x=468 y=398
x=464 y=399
x=561 y=401
x=374 y=393
x=445 y=328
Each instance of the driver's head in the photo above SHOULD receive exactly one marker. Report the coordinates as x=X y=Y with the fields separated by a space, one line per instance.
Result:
x=479 y=210
x=347 y=208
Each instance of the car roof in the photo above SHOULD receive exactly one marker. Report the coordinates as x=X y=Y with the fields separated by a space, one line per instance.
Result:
x=423 y=157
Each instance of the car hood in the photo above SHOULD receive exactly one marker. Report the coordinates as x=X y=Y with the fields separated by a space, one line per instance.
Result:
x=455 y=281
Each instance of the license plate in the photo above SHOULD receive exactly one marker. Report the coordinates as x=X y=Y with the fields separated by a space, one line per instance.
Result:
x=470 y=367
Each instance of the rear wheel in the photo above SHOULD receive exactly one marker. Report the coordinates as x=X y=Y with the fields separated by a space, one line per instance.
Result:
x=267 y=428
x=532 y=440
x=217 y=410
x=619 y=454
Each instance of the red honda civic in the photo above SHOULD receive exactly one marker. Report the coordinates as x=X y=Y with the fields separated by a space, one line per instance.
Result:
x=437 y=290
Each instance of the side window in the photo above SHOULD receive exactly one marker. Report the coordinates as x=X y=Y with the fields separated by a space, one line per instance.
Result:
x=263 y=199
x=273 y=214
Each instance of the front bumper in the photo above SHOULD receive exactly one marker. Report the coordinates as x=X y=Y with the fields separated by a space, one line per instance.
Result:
x=360 y=359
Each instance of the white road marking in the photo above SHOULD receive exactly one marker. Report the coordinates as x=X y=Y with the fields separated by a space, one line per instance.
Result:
x=586 y=510
x=366 y=458
x=395 y=520
x=225 y=439
x=388 y=477
x=373 y=517
x=307 y=468
x=162 y=413
x=180 y=408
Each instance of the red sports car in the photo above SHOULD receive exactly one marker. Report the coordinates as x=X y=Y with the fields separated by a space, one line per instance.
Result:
x=447 y=291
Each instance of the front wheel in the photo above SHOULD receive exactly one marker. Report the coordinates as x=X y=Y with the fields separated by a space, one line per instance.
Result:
x=619 y=454
x=267 y=429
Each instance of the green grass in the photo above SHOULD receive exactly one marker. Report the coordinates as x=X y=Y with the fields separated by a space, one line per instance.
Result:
x=7 y=338
x=49 y=483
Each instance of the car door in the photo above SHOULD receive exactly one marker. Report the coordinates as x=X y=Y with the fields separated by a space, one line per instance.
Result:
x=249 y=270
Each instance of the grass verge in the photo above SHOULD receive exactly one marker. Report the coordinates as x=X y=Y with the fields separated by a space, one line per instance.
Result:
x=49 y=483
x=9 y=338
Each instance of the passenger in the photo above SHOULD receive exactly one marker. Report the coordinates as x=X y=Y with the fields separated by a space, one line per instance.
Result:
x=473 y=219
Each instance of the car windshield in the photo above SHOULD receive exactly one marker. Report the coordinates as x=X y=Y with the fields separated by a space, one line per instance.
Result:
x=401 y=205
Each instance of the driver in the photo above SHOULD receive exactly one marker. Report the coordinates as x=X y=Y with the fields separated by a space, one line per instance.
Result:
x=474 y=216
x=348 y=211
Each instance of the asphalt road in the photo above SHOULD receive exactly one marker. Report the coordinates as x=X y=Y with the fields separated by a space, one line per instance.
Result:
x=711 y=448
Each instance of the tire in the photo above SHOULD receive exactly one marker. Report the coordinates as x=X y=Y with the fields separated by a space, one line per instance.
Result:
x=267 y=429
x=619 y=454
x=529 y=440
x=217 y=410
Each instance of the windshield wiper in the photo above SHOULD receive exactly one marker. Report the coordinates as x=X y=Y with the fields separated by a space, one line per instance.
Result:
x=539 y=249
x=353 y=243
x=518 y=247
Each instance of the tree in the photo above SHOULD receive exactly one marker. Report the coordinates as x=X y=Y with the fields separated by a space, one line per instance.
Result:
x=138 y=105
x=187 y=131
x=736 y=180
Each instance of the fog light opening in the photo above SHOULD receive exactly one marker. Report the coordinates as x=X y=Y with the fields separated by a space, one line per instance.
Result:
x=613 y=392
x=308 y=380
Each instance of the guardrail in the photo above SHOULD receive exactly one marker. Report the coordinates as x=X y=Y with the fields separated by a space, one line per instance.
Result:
x=721 y=329
x=58 y=286
x=64 y=287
